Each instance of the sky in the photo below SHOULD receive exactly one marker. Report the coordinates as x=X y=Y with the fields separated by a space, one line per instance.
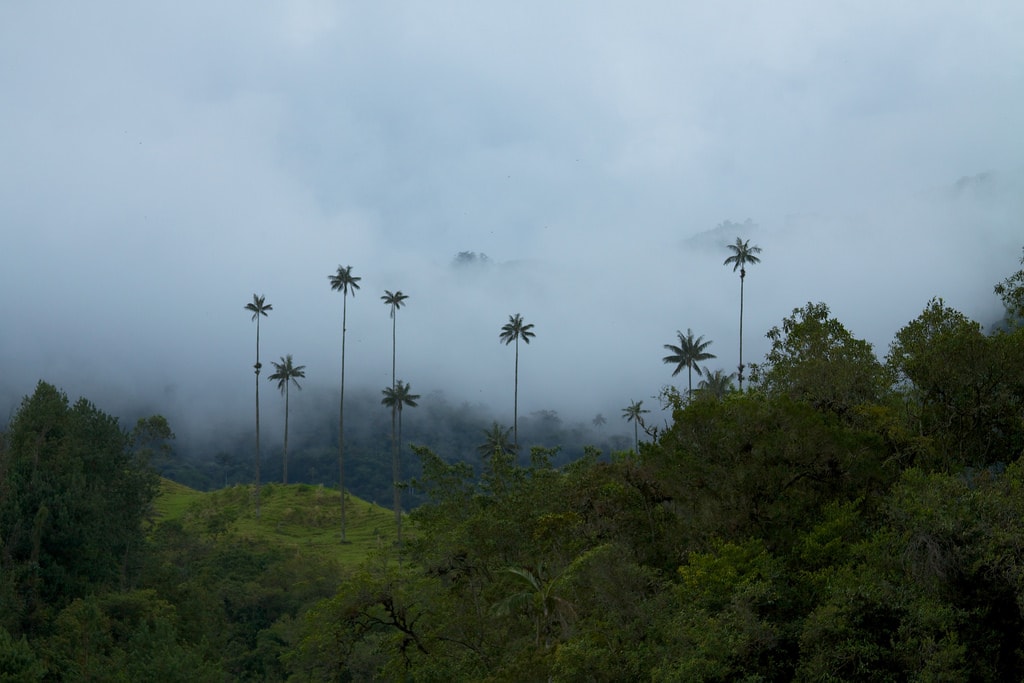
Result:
x=160 y=163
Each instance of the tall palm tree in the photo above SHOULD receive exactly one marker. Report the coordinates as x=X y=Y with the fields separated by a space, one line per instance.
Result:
x=395 y=300
x=286 y=373
x=742 y=254
x=395 y=397
x=343 y=281
x=259 y=308
x=688 y=354
x=634 y=413
x=715 y=384
x=513 y=331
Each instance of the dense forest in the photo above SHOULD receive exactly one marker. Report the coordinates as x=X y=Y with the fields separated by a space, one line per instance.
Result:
x=842 y=516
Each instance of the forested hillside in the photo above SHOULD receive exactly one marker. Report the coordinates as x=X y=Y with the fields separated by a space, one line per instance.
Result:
x=846 y=516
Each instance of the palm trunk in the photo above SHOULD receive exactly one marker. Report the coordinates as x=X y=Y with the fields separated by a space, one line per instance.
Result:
x=257 y=417
x=397 y=496
x=341 y=418
x=515 y=403
x=285 y=459
x=743 y=276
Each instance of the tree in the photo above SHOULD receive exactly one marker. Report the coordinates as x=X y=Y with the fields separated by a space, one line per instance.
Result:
x=287 y=373
x=634 y=413
x=814 y=358
x=395 y=300
x=259 y=308
x=963 y=388
x=688 y=354
x=599 y=420
x=343 y=281
x=395 y=397
x=1011 y=291
x=513 y=331
x=75 y=491
x=496 y=441
x=742 y=254
x=715 y=384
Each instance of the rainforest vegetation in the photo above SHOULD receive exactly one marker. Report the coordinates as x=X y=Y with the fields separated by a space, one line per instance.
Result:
x=843 y=514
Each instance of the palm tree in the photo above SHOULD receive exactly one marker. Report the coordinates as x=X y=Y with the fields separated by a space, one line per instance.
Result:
x=259 y=308
x=688 y=354
x=715 y=384
x=287 y=373
x=343 y=281
x=395 y=397
x=634 y=413
x=599 y=420
x=742 y=254
x=496 y=441
x=395 y=300
x=514 y=330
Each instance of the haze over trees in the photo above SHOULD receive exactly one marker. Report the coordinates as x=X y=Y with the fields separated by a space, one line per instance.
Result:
x=844 y=517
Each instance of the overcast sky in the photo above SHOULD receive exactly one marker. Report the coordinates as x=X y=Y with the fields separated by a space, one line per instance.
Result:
x=162 y=162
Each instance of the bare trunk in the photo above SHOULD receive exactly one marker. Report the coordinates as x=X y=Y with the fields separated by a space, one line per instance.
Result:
x=257 y=416
x=341 y=418
x=743 y=276
x=285 y=459
x=515 y=403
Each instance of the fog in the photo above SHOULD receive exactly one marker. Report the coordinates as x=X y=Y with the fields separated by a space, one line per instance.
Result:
x=160 y=165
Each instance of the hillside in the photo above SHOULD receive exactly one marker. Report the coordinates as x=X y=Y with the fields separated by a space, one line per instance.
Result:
x=303 y=517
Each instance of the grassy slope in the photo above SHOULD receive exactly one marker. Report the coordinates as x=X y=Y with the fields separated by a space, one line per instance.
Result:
x=300 y=516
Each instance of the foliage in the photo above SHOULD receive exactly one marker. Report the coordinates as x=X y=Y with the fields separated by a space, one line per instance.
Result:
x=963 y=390
x=75 y=497
x=814 y=358
x=1011 y=291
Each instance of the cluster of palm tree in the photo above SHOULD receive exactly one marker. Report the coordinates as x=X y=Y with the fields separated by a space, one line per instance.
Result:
x=285 y=374
x=691 y=351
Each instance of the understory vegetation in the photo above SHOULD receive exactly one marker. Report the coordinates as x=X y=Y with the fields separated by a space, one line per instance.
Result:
x=844 y=517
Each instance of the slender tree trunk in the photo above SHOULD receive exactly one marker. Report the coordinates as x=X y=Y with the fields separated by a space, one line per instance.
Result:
x=636 y=438
x=743 y=276
x=341 y=417
x=397 y=495
x=285 y=459
x=515 y=403
x=257 y=416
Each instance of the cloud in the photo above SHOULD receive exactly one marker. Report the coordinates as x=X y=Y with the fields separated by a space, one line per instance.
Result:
x=162 y=164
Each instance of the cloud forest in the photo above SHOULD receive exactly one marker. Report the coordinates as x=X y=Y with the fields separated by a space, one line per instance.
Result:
x=826 y=512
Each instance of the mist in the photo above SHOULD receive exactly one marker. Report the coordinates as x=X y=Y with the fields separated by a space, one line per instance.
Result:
x=162 y=165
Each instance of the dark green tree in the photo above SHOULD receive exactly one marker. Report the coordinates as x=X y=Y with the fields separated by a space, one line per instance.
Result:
x=258 y=307
x=742 y=254
x=814 y=358
x=396 y=397
x=513 y=331
x=343 y=281
x=74 y=494
x=688 y=354
x=285 y=374
x=1011 y=291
